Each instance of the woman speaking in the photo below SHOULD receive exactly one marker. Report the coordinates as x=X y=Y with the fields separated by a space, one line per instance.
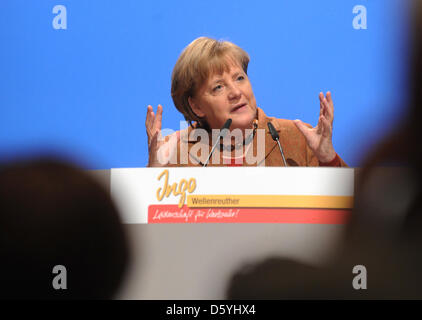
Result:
x=209 y=86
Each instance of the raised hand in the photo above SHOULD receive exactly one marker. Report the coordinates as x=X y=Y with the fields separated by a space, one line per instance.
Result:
x=319 y=138
x=160 y=151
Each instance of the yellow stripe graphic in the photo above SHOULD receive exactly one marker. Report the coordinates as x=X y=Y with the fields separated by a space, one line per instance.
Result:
x=270 y=201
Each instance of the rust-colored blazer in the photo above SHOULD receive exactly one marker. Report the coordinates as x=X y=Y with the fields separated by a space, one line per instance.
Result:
x=295 y=148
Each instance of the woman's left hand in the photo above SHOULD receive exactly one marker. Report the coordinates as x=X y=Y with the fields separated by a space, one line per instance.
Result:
x=319 y=138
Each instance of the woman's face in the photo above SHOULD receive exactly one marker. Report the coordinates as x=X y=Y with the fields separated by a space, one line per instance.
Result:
x=224 y=96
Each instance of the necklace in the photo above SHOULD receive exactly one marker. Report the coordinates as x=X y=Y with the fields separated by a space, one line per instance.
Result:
x=239 y=145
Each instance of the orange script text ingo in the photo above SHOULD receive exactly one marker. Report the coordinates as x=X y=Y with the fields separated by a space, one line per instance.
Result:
x=178 y=189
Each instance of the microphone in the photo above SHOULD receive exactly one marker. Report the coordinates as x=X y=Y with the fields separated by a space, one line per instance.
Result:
x=275 y=136
x=223 y=131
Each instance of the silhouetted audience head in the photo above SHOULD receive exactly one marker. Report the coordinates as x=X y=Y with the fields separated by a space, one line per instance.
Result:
x=54 y=214
x=385 y=231
x=274 y=278
x=388 y=201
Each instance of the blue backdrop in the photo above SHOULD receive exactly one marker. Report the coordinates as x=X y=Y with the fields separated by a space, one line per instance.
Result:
x=83 y=91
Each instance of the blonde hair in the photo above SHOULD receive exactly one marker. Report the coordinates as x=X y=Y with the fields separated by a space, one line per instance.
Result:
x=200 y=59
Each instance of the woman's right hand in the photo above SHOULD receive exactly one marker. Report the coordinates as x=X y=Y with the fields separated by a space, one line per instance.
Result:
x=160 y=150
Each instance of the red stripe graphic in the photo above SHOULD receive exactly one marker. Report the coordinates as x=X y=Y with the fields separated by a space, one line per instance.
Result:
x=174 y=214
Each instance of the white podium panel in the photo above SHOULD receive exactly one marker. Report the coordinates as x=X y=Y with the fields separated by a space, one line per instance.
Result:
x=233 y=194
x=188 y=238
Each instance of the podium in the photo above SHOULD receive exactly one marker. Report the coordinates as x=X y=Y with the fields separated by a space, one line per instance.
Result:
x=191 y=228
